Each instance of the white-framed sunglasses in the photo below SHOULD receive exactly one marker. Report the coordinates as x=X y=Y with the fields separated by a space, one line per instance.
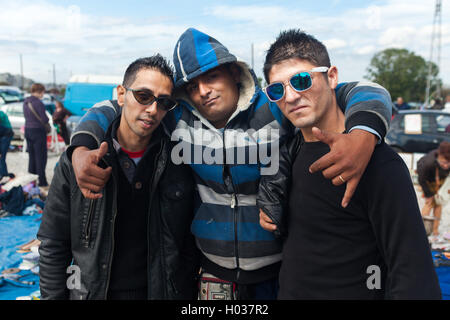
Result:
x=301 y=81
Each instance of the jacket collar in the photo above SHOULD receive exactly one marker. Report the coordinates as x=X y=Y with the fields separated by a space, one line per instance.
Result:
x=159 y=135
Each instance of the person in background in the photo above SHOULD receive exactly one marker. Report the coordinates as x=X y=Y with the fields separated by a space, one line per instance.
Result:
x=447 y=103
x=433 y=169
x=35 y=133
x=437 y=105
x=6 y=134
x=401 y=105
x=59 y=118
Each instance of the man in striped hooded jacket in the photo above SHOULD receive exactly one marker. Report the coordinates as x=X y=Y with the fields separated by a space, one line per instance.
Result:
x=229 y=132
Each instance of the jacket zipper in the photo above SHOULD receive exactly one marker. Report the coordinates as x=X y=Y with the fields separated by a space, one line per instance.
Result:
x=113 y=220
x=233 y=205
x=153 y=187
x=235 y=218
x=87 y=229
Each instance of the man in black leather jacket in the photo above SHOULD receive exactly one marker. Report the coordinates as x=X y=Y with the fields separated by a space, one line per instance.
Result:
x=134 y=242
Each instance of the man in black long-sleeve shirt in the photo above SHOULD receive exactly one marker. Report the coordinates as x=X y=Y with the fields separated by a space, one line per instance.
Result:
x=433 y=169
x=375 y=247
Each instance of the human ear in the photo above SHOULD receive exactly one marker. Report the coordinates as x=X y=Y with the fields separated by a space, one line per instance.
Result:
x=121 y=91
x=332 y=75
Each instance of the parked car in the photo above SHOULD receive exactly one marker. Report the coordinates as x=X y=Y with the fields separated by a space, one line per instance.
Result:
x=415 y=105
x=14 y=111
x=418 y=131
x=83 y=91
x=10 y=94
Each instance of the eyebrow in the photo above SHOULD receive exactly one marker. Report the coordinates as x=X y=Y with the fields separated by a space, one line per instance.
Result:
x=144 y=89
x=151 y=91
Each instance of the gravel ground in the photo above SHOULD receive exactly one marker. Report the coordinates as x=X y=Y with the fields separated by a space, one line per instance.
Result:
x=17 y=161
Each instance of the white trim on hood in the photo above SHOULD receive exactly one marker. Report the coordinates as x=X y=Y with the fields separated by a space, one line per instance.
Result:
x=181 y=62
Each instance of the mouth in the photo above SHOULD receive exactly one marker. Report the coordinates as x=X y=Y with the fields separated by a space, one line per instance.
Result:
x=147 y=123
x=297 y=108
x=210 y=102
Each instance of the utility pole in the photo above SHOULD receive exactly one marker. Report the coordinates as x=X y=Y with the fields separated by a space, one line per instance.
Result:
x=21 y=72
x=253 y=63
x=54 y=77
x=436 y=35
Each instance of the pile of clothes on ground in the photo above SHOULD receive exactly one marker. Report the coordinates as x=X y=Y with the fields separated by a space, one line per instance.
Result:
x=21 y=196
x=21 y=205
x=440 y=246
x=441 y=241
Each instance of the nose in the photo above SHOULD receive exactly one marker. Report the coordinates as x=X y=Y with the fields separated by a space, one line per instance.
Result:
x=153 y=108
x=203 y=88
x=290 y=95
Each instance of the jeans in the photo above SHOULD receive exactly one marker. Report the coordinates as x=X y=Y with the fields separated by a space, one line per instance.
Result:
x=37 y=153
x=5 y=141
x=266 y=290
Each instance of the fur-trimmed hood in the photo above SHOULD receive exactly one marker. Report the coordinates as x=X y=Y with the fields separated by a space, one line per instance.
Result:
x=196 y=53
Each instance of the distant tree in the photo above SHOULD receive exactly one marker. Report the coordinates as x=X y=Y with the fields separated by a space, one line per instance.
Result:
x=260 y=82
x=3 y=83
x=402 y=73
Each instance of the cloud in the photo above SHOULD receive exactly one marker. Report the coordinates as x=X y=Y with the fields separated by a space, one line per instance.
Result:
x=48 y=32
x=257 y=14
x=335 y=43
x=365 y=50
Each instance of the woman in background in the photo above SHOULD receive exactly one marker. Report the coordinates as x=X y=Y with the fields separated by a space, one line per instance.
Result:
x=35 y=132
x=59 y=117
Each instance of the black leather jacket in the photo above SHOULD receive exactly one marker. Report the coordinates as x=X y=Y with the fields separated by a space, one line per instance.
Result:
x=273 y=191
x=80 y=231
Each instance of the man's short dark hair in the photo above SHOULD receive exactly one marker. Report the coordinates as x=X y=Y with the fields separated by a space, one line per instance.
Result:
x=295 y=43
x=156 y=61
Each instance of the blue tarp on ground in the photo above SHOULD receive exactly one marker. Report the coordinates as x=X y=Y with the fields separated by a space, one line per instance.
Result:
x=443 y=273
x=15 y=231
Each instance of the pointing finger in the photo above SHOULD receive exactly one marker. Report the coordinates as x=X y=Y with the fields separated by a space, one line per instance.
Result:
x=349 y=191
x=324 y=162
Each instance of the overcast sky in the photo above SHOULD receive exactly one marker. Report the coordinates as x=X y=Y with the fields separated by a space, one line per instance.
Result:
x=103 y=37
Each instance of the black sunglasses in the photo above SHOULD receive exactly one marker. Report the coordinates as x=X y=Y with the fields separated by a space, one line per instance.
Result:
x=146 y=98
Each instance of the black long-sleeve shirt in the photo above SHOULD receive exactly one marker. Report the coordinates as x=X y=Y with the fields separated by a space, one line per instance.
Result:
x=329 y=250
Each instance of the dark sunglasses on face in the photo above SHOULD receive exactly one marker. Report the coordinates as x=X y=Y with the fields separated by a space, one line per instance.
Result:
x=299 y=82
x=146 y=98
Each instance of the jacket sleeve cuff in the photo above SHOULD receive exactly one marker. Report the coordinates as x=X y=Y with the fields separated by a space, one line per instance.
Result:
x=366 y=121
x=365 y=128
